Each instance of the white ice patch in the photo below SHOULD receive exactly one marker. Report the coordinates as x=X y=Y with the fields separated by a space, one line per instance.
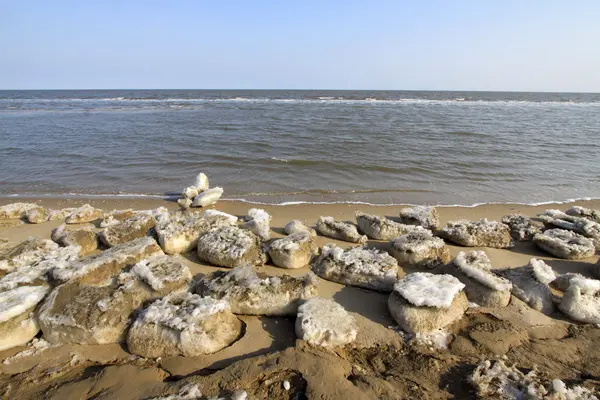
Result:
x=477 y=265
x=542 y=272
x=208 y=197
x=16 y=301
x=212 y=214
x=429 y=290
x=324 y=322
x=161 y=269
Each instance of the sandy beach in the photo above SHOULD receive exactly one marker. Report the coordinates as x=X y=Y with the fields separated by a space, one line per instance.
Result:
x=380 y=363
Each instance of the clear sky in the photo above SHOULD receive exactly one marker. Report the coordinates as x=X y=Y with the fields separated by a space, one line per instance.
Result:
x=526 y=45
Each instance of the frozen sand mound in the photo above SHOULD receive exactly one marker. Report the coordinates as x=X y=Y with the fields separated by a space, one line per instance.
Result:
x=296 y=226
x=345 y=231
x=419 y=249
x=134 y=227
x=18 y=322
x=424 y=216
x=84 y=214
x=381 y=228
x=521 y=227
x=27 y=252
x=565 y=244
x=482 y=233
x=323 y=322
x=258 y=221
x=231 y=247
x=293 y=251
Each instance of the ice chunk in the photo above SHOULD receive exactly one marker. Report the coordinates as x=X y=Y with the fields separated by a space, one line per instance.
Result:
x=425 y=289
x=477 y=265
x=84 y=214
x=208 y=197
x=521 y=227
x=424 y=216
x=201 y=182
x=482 y=233
x=565 y=244
x=346 y=231
x=293 y=251
x=419 y=248
x=27 y=252
x=258 y=222
x=217 y=215
x=323 y=322
x=381 y=228
x=296 y=226
x=15 y=210
x=230 y=247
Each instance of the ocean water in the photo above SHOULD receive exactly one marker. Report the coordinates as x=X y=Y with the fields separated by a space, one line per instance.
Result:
x=381 y=147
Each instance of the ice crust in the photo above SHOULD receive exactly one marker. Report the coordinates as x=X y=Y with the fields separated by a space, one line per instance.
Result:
x=16 y=301
x=430 y=290
x=424 y=216
x=477 y=265
x=323 y=322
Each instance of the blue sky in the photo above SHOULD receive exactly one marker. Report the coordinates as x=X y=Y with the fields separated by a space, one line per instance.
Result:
x=432 y=45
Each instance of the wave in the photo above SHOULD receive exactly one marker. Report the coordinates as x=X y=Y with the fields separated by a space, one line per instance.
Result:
x=283 y=203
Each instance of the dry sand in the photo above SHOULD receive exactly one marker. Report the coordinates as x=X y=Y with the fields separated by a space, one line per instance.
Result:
x=378 y=365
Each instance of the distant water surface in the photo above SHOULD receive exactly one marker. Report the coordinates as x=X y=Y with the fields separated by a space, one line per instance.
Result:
x=383 y=147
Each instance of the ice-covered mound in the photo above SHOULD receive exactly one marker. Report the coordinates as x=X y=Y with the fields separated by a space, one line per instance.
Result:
x=15 y=210
x=424 y=216
x=583 y=226
x=419 y=249
x=346 y=231
x=381 y=228
x=183 y=324
x=482 y=233
x=577 y=211
x=134 y=227
x=323 y=322
x=85 y=239
x=293 y=251
x=358 y=266
x=37 y=215
x=208 y=197
x=27 y=252
x=423 y=302
x=521 y=227
x=482 y=285
x=258 y=222
x=494 y=379
x=115 y=217
x=35 y=273
x=565 y=244
x=84 y=214
x=581 y=300
x=178 y=232
x=230 y=247
x=100 y=267
x=530 y=284
x=93 y=311
x=254 y=294
x=296 y=226
x=18 y=322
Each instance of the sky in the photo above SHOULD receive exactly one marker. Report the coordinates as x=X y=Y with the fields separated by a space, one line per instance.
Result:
x=503 y=45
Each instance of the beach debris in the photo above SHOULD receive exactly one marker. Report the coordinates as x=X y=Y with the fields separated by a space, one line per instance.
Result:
x=18 y=322
x=583 y=226
x=419 y=249
x=381 y=228
x=358 y=266
x=422 y=302
x=137 y=226
x=85 y=238
x=34 y=274
x=84 y=214
x=482 y=285
x=521 y=227
x=565 y=244
x=102 y=266
x=293 y=251
x=27 y=252
x=296 y=226
x=61 y=215
x=208 y=197
x=494 y=379
x=178 y=232
x=37 y=215
x=257 y=294
x=97 y=311
x=345 y=231
x=482 y=233
x=530 y=284
x=258 y=222
x=183 y=324
x=578 y=211
x=15 y=210
x=424 y=216
x=115 y=217
x=325 y=323
x=581 y=300
x=231 y=246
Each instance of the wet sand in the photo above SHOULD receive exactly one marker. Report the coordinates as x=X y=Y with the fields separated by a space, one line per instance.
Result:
x=378 y=365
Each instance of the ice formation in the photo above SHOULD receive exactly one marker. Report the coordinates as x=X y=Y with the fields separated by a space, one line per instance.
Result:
x=18 y=323
x=565 y=244
x=530 y=284
x=420 y=249
x=296 y=226
x=85 y=239
x=424 y=216
x=208 y=197
x=161 y=272
x=258 y=222
x=190 y=192
x=116 y=216
x=521 y=227
x=183 y=324
x=323 y=322
x=577 y=211
x=583 y=226
x=482 y=233
x=253 y=294
x=84 y=214
x=132 y=228
x=27 y=252
x=358 y=266
x=430 y=290
x=214 y=215
x=230 y=247
x=293 y=251
x=37 y=215
x=381 y=228
x=201 y=182
x=15 y=210
x=346 y=231
x=581 y=300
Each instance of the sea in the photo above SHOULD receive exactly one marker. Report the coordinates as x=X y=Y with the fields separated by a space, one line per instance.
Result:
x=297 y=146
